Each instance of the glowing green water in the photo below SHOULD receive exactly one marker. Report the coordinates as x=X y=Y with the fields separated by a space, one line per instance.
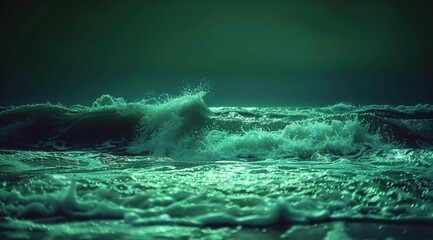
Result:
x=177 y=169
x=86 y=194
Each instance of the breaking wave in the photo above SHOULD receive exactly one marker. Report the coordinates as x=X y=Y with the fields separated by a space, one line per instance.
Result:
x=184 y=127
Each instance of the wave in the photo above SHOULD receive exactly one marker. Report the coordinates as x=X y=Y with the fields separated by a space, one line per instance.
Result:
x=185 y=127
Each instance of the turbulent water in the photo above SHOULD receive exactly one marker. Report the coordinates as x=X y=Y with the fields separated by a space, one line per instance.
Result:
x=175 y=168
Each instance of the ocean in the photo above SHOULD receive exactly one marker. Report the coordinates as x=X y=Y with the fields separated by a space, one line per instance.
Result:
x=174 y=168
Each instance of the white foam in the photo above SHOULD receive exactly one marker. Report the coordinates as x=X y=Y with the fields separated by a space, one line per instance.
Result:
x=301 y=139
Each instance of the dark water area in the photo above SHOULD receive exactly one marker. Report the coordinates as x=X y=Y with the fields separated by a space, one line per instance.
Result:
x=176 y=168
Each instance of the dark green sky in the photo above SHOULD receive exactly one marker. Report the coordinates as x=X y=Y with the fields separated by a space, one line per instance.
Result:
x=281 y=53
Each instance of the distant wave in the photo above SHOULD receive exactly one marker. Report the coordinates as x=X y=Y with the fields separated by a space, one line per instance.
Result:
x=184 y=127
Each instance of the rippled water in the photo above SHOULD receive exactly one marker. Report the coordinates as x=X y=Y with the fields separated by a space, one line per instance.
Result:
x=178 y=169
